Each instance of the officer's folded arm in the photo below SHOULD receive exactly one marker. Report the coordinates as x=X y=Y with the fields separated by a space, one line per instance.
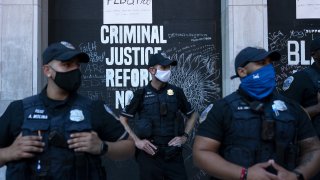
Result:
x=190 y=122
x=309 y=158
x=90 y=142
x=206 y=157
x=180 y=140
x=121 y=150
x=142 y=144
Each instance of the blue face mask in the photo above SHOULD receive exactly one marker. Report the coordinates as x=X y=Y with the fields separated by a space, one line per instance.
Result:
x=260 y=83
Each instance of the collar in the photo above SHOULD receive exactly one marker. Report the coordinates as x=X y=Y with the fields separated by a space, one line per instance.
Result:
x=51 y=103
x=157 y=91
x=250 y=99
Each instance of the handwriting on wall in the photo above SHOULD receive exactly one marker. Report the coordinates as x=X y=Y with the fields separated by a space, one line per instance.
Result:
x=119 y=36
x=198 y=73
x=293 y=46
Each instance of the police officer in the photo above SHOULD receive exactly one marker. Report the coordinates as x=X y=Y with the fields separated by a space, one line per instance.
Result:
x=159 y=131
x=304 y=86
x=256 y=133
x=59 y=134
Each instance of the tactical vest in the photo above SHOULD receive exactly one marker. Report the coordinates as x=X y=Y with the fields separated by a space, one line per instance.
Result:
x=161 y=111
x=243 y=144
x=57 y=161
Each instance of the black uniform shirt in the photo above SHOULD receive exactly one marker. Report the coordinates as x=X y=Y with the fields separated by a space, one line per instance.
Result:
x=300 y=87
x=107 y=127
x=136 y=104
x=219 y=120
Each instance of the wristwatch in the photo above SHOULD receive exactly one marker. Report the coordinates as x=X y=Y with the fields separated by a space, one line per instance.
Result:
x=186 y=135
x=299 y=175
x=103 y=148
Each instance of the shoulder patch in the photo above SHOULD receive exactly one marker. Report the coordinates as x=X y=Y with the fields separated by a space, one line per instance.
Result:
x=287 y=83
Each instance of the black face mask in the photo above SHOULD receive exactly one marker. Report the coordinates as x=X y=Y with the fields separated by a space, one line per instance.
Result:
x=69 y=81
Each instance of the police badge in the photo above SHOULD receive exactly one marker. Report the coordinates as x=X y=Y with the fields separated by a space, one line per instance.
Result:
x=170 y=92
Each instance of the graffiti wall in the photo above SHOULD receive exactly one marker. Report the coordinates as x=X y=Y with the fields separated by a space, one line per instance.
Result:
x=120 y=35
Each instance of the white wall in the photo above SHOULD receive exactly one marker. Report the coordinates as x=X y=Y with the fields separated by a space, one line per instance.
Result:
x=20 y=47
x=244 y=23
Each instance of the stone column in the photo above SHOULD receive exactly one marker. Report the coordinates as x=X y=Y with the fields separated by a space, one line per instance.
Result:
x=20 y=50
x=244 y=23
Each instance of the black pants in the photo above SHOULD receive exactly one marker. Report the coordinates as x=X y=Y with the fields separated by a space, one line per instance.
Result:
x=156 y=168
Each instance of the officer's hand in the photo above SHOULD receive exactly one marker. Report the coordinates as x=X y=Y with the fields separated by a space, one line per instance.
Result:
x=24 y=147
x=178 y=141
x=282 y=173
x=85 y=142
x=146 y=146
x=258 y=171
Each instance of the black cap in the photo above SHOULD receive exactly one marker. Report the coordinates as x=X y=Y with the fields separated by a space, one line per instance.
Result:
x=63 y=51
x=252 y=54
x=161 y=59
x=315 y=45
